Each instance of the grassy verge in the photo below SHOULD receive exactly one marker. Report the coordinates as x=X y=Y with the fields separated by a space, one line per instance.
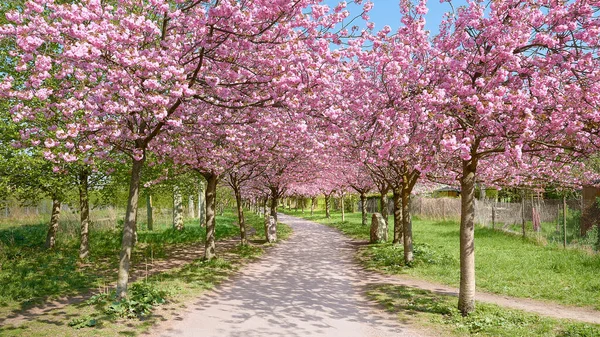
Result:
x=101 y=315
x=438 y=313
x=505 y=264
x=30 y=274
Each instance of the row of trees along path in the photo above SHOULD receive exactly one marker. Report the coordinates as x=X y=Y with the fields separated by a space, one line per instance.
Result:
x=294 y=97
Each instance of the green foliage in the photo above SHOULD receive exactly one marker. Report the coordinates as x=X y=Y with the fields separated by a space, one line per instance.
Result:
x=29 y=274
x=550 y=235
x=591 y=239
x=440 y=310
x=142 y=297
x=283 y=231
x=425 y=253
x=248 y=251
x=391 y=258
x=83 y=322
x=581 y=330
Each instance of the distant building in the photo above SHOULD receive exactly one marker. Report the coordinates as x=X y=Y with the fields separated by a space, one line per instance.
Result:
x=446 y=192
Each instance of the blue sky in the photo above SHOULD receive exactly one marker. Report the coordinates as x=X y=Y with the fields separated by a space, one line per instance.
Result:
x=386 y=12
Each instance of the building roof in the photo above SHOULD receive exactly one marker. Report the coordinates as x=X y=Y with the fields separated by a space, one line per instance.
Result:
x=447 y=189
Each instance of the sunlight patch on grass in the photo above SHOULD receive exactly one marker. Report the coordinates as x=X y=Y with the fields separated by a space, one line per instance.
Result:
x=439 y=312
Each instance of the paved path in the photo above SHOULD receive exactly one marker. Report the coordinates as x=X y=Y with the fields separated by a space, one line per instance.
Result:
x=307 y=286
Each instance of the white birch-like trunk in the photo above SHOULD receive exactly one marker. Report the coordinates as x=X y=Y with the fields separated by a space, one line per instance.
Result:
x=177 y=208
x=129 y=228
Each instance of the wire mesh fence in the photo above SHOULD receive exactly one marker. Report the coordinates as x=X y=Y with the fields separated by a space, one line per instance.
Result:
x=490 y=212
x=487 y=212
x=102 y=218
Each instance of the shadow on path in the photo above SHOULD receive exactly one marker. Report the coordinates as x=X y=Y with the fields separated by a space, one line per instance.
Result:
x=307 y=286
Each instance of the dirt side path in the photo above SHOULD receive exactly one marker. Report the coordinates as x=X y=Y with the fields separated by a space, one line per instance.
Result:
x=309 y=285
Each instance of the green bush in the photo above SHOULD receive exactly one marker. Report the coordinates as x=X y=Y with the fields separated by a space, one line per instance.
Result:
x=83 y=322
x=142 y=297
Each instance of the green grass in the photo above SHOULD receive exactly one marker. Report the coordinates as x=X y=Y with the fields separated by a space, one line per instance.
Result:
x=283 y=231
x=101 y=317
x=30 y=275
x=550 y=235
x=505 y=264
x=438 y=312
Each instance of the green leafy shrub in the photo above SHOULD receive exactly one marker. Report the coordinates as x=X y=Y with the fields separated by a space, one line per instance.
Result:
x=83 y=322
x=142 y=297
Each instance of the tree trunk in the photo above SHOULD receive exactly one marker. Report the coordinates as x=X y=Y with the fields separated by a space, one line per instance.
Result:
x=53 y=226
x=129 y=228
x=302 y=204
x=383 y=202
x=222 y=206
x=241 y=220
x=177 y=209
x=259 y=205
x=407 y=226
x=84 y=215
x=327 y=206
x=274 y=204
x=312 y=206
x=149 y=211
x=398 y=221
x=363 y=206
x=466 y=296
x=202 y=203
x=191 y=208
x=270 y=229
x=211 y=199
x=343 y=210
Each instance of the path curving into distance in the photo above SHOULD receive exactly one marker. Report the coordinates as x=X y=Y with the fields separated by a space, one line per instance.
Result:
x=309 y=285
